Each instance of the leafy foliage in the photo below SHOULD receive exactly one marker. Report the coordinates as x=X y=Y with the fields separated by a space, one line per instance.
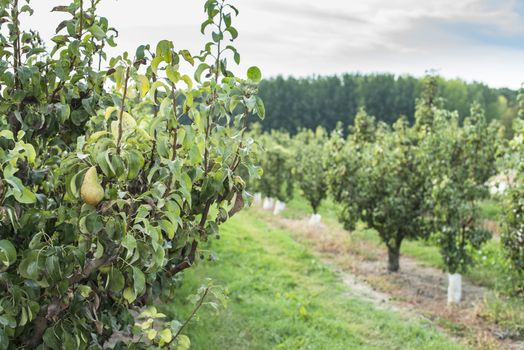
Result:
x=311 y=165
x=410 y=182
x=168 y=151
x=458 y=161
x=378 y=180
x=513 y=220
x=276 y=161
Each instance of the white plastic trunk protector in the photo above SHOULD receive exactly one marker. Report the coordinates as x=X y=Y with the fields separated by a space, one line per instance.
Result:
x=454 y=288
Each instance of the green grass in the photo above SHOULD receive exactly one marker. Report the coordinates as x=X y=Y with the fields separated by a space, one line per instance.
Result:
x=282 y=297
x=298 y=207
x=490 y=209
x=506 y=312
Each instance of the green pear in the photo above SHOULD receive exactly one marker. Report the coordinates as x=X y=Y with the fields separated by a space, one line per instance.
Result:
x=91 y=191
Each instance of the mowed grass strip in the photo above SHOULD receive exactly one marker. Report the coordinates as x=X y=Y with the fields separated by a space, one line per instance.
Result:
x=282 y=297
x=489 y=261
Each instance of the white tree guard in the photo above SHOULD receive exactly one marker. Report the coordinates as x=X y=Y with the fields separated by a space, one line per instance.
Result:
x=268 y=203
x=279 y=207
x=454 y=288
x=315 y=219
x=257 y=199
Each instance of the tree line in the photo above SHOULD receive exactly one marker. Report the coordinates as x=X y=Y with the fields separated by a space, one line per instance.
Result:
x=294 y=103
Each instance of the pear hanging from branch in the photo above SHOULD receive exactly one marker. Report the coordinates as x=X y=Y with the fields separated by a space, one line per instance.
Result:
x=91 y=191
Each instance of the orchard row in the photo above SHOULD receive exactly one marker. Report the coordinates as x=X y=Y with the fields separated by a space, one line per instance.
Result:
x=409 y=182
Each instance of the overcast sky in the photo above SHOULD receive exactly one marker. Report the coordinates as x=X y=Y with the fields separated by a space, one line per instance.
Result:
x=471 y=39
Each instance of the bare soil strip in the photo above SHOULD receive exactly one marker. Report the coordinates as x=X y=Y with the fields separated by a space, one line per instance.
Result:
x=415 y=291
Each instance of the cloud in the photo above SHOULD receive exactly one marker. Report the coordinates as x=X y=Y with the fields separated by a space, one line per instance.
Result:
x=308 y=10
x=473 y=39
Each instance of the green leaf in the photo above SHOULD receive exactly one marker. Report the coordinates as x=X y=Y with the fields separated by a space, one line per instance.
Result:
x=227 y=19
x=168 y=228
x=233 y=8
x=119 y=77
x=233 y=32
x=51 y=338
x=157 y=84
x=183 y=342
x=84 y=290
x=172 y=74
x=143 y=85
x=53 y=268
x=116 y=281
x=139 y=281
x=163 y=50
x=233 y=103
x=166 y=335
x=198 y=73
x=25 y=197
x=28 y=267
x=129 y=242
x=62 y=8
x=7 y=321
x=109 y=112
x=205 y=24
x=8 y=134
x=254 y=73
x=236 y=57
x=135 y=162
x=261 y=110
x=155 y=63
x=97 y=32
x=187 y=56
x=217 y=36
x=188 y=81
x=7 y=253
x=129 y=295
x=4 y=340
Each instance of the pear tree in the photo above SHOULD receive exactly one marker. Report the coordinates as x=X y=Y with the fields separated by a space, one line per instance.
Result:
x=311 y=167
x=378 y=180
x=513 y=220
x=276 y=160
x=458 y=161
x=113 y=174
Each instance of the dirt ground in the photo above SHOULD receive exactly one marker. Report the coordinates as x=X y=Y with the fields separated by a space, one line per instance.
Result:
x=416 y=290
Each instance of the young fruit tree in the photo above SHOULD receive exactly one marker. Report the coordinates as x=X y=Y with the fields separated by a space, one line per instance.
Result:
x=513 y=219
x=112 y=178
x=376 y=178
x=276 y=160
x=458 y=162
x=310 y=167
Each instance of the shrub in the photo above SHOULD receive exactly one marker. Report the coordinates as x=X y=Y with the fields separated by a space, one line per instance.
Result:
x=111 y=178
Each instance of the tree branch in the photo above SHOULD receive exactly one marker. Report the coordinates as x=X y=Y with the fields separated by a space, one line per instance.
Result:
x=195 y=310
x=121 y=116
x=57 y=306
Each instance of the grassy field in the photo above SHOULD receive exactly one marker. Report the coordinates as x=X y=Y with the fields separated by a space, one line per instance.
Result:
x=281 y=297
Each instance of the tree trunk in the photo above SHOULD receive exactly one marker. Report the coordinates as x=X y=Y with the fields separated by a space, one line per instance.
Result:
x=393 y=258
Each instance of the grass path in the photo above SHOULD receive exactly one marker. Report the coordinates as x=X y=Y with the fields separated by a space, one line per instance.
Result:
x=282 y=297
